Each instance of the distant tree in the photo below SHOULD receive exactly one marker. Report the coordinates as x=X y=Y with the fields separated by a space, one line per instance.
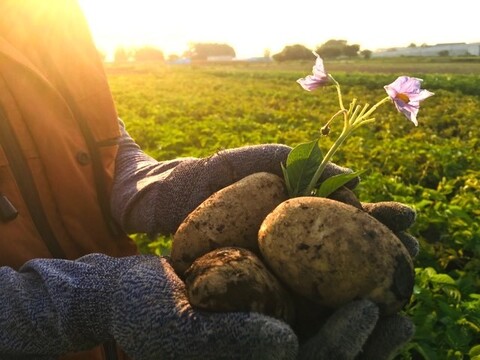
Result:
x=173 y=57
x=148 y=53
x=336 y=48
x=351 y=50
x=443 y=53
x=367 y=54
x=202 y=51
x=121 y=55
x=267 y=53
x=412 y=45
x=293 y=52
x=331 y=49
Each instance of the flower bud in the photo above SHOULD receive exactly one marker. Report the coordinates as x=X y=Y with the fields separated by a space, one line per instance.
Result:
x=325 y=130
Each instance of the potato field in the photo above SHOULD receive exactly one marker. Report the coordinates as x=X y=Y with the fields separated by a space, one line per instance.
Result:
x=197 y=109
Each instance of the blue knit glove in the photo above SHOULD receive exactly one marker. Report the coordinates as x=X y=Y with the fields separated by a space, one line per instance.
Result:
x=152 y=319
x=53 y=307
x=356 y=331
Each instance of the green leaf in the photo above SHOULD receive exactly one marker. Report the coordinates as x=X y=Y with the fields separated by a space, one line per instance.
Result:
x=427 y=352
x=286 y=178
x=442 y=279
x=335 y=182
x=475 y=352
x=302 y=163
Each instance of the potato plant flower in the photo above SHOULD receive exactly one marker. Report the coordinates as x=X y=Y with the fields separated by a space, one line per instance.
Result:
x=406 y=95
x=318 y=78
x=306 y=163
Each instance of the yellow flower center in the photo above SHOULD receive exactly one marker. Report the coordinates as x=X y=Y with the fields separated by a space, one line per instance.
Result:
x=403 y=97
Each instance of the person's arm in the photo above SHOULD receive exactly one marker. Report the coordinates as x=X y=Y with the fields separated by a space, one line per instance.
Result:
x=154 y=197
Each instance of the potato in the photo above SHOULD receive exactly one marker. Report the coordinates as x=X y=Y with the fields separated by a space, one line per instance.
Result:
x=234 y=279
x=333 y=253
x=230 y=217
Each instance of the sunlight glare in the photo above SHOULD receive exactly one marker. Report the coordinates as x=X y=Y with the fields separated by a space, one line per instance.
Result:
x=252 y=26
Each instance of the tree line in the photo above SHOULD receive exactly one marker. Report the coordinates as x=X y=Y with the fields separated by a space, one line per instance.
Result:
x=332 y=49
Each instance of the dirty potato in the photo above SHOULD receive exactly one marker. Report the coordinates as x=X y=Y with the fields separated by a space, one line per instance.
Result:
x=333 y=253
x=229 y=217
x=234 y=279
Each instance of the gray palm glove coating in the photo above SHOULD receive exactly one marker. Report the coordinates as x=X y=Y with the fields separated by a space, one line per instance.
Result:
x=51 y=307
x=355 y=331
x=155 y=197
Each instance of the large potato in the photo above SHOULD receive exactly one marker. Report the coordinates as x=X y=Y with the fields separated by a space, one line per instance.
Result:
x=333 y=253
x=234 y=279
x=230 y=217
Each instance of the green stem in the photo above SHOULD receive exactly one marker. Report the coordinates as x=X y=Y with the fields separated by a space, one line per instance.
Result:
x=339 y=92
x=353 y=118
x=374 y=107
x=345 y=133
x=365 y=107
x=334 y=116
x=354 y=115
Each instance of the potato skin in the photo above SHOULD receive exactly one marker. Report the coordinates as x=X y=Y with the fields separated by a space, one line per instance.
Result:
x=333 y=253
x=234 y=279
x=229 y=217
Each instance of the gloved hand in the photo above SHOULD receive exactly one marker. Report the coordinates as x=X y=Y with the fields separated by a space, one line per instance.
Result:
x=155 y=197
x=358 y=330
x=52 y=306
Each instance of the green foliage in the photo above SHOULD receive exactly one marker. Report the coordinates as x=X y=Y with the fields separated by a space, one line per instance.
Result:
x=335 y=182
x=337 y=48
x=158 y=245
x=293 y=52
x=448 y=313
x=300 y=168
x=435 y=167
x=301 y=165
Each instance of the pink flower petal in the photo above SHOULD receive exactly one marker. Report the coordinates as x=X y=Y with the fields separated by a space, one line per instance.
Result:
x=406 y=94
x=319 y=77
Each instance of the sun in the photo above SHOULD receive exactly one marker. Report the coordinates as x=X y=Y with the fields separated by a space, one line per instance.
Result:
x=172 y=26
x=140 y=23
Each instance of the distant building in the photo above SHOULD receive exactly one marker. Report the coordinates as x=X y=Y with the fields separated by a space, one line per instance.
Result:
x=220 y=58
x=452 y=49
x=259 y=59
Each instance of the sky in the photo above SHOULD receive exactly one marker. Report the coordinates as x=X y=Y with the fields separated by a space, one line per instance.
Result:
x=253 y=26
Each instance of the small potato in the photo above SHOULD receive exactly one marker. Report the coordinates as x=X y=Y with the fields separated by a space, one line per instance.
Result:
x=229 y=217
x=234 y=279
x=333 y=253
